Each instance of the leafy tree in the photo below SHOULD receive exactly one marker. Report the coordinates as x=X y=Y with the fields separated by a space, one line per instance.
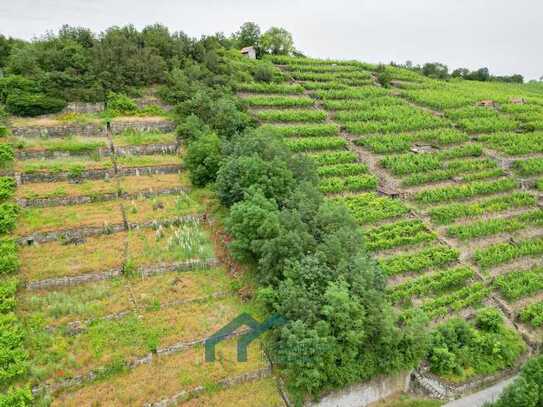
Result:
x=248 y=35
x=436 y=70
x=277 y=41
x=203 y=159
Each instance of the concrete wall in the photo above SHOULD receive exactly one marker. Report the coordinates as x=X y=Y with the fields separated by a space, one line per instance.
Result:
x=363 y=394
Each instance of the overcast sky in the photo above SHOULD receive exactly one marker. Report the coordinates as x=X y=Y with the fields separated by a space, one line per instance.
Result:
x=504 y=35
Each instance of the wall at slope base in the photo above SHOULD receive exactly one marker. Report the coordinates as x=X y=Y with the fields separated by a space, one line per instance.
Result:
x=363 y=394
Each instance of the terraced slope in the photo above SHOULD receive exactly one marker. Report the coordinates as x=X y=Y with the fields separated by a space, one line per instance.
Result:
x=120 y=279
x=446 y=189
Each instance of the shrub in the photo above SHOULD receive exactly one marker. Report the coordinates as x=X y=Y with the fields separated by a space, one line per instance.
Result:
x=7 y=154
x=191 y=128
x=15 y=84
x=8 y=217
x=117 y=103
x=7 y=188
x=203 y=159
x=27 y=104
x=16 y=397
x=9 y=260
x=264 y=72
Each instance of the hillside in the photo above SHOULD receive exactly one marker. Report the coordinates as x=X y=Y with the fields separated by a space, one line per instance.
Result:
x=394 y=222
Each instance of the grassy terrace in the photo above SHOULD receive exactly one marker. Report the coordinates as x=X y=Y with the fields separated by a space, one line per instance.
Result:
x=166 y=377
x=130 y=184
x=132 y=250
x=106 y=342
x=100 y=214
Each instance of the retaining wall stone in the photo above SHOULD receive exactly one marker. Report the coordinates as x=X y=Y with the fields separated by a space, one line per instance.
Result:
x=96 y=173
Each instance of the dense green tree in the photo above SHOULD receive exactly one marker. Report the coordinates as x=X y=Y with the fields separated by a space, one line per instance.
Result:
x=248 y=35
x=203 y=159
x=277 y=41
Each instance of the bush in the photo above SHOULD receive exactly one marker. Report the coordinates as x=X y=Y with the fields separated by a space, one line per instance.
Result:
x=9 y=260
x=264 y=72
x=20 y=397
x=203 y=159
x=7 y=188
x=191 y=129
x=8 y=217
x=7 y=155
x=117 y=103
x=27 y=104
x=489 y=319
x=16 y=84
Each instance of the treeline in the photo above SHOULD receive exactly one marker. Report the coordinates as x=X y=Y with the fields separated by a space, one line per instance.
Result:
x=437 y=70
x=41 y=75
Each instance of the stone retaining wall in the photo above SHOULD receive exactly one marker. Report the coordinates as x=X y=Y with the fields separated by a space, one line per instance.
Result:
x=108 y=196
x=138 y=361
x=81 y=233
x=97 y=173
x=438 y=389
x=60 y=282
x=84 y=107
x=225 y=383
x=93 y=129
x=145 y=149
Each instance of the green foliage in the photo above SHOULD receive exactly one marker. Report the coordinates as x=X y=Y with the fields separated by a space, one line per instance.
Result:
x=354 y=93
x=9 y=260
x=370 y=207
x=398 y=143
x=529 y=167
x=465 y=191
x=302 y=130
x=27 y=104
x=449 y=213
x=361 y=105
x=514 y=143
x=396 y=124
x=505 y=252
x=277 y=101
x=333 y=158
x=264 y=73
x=7 y=154
x=291 y=115
x=532 y=314
x=277 y=41
x=219 y=111
x=315 y=144
x=353 y=183
x=431 y=257
x=8 y=217
x=518 y=284
x=431 y=283
x=341 y=170
x=445 y=304
x=460 y=350
x=203 y=159
x=16 y=397
x=272 y=88
x=120 y=104
x=401 y=233
x=7 y=188
x=494 y=226
x=14 y=358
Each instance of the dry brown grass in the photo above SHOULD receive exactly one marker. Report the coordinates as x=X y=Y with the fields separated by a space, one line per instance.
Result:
x=259 y=393
x=164 y=378
x=104 y=298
